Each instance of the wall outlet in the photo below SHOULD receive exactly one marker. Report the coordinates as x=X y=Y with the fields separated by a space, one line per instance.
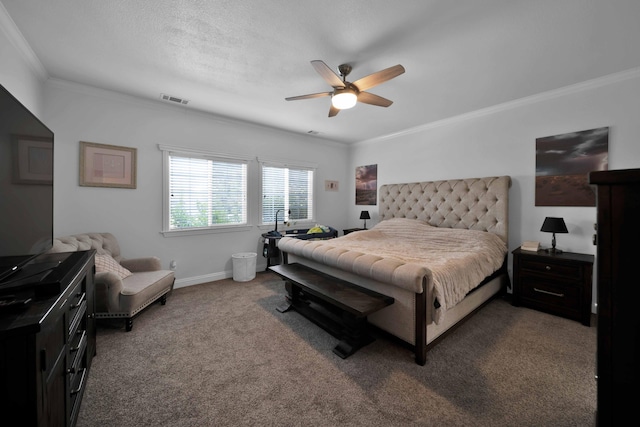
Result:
x=173 y=264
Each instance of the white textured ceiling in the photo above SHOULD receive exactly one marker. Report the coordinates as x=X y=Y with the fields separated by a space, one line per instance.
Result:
x=240 y=59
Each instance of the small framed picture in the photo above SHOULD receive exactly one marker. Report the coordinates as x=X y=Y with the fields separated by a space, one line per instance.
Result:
x=331 y=185
x=103 y=165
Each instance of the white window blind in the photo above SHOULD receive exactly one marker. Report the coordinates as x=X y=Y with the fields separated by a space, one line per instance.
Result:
x=288 y=189
x=206 y=192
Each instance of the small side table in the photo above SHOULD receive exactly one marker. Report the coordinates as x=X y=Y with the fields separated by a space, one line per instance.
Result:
x=559 y=284
x=351 y=230
x=270 y=249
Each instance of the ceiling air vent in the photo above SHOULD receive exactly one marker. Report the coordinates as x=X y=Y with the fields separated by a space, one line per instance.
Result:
x=175 y=99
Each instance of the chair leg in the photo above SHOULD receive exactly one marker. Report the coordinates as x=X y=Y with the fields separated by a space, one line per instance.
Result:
x=163 y=299
x=128 y=322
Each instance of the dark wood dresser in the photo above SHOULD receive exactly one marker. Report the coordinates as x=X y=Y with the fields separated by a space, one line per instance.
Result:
x=557 y=283
x=46 y=347
x=618 y=277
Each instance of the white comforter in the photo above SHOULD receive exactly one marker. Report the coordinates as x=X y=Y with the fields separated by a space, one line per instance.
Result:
x=453 y=261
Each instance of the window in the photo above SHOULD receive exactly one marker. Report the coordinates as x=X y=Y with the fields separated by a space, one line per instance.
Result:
x=288 y=189
x=204 y=191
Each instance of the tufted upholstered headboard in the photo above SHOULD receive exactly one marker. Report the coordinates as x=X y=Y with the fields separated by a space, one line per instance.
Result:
x=472 y=203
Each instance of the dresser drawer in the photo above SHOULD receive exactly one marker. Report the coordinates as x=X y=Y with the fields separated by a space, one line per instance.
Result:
x=77 y=309
x=77 y=386
x=77 y=350
x=563 y=271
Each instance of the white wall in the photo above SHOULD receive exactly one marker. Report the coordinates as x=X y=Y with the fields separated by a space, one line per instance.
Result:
x=78 y=113
x=501 y=141
x=21 y=73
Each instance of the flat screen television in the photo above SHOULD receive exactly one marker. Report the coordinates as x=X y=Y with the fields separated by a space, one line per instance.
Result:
x=26 y=187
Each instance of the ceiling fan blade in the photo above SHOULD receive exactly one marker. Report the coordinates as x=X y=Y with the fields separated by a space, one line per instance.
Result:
x=375 y=79
x=333 y=111
x=369 y=98
x=327 y=73
x=311 y=95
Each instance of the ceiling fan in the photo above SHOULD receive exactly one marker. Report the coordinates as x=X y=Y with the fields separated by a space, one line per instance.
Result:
x=345 y=94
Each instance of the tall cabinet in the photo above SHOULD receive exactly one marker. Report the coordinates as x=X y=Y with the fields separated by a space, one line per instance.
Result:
x=618 y=278
x=46 y=347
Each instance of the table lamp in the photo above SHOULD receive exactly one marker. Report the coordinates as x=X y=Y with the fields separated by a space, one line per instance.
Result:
x=554 y=225
x=365 y=215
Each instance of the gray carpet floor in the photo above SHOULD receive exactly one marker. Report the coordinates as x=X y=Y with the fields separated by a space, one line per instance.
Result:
x=219 y=354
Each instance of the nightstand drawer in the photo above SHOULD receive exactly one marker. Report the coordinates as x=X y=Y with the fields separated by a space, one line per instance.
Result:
x=563 y=298
x=556 y=270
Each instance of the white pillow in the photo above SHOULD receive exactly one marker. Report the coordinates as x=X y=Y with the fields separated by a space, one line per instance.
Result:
x=106 y=263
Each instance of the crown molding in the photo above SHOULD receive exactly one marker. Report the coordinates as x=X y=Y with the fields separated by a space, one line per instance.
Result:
x=165 y=106
x=10 y=29
x=609 y=79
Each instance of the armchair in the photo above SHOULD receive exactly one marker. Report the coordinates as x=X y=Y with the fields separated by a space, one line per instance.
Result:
x=123 y=287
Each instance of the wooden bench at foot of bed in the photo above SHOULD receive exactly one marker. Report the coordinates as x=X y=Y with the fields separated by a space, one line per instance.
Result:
x=344 y=306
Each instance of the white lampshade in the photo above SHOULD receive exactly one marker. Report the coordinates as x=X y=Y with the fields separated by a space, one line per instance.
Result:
x=344 y=99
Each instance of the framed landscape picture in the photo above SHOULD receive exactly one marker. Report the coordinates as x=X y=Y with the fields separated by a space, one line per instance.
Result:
x=563 y=163
x=367 y=185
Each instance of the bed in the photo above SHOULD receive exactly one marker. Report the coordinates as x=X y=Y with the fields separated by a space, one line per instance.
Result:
x=403 y=256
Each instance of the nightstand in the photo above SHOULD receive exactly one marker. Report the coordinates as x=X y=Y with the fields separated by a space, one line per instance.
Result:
x=270 y=249
x=559 y=284
x=351 y=230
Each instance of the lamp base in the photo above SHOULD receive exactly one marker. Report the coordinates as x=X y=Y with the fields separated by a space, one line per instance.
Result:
x=553 y=251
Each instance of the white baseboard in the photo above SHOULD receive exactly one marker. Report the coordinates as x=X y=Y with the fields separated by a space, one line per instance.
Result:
x=196 y=280
x=211 y=277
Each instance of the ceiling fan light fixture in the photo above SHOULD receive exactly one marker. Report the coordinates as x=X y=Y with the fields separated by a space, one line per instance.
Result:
x=343 y=99
x=345 y=94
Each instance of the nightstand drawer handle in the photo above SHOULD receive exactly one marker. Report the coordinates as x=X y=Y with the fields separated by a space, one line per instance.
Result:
x=550 y=293
x=548 y=268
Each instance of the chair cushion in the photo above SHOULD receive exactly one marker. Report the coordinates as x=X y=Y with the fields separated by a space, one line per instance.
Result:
x=105 y=263
x=140 y=289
